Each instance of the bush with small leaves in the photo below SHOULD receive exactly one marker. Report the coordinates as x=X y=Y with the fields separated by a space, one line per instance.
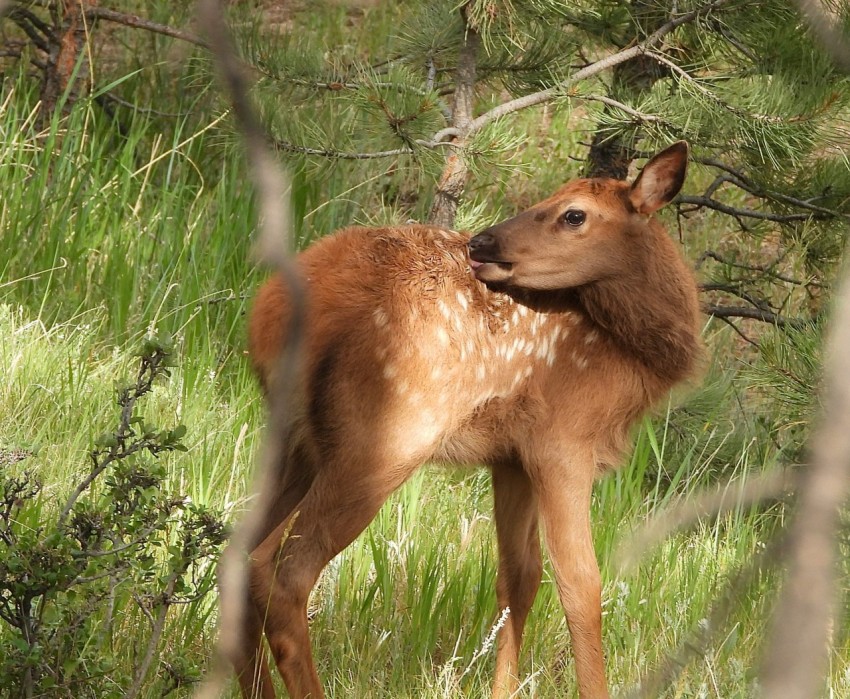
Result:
x=120 y=540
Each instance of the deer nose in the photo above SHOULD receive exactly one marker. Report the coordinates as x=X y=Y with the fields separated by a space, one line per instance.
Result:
x=481 y=241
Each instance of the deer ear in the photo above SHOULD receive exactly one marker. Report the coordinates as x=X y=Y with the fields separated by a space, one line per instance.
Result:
x=661 y=179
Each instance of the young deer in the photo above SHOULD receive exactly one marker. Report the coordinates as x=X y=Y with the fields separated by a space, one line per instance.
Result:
x=532 y=347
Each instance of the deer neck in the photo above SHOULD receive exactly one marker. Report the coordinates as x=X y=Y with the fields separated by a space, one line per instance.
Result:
x=650 y=313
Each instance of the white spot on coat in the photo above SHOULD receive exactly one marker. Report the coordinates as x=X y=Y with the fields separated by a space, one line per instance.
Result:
x=380 y=317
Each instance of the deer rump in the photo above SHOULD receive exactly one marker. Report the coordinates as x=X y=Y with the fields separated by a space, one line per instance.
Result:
x=531 y=347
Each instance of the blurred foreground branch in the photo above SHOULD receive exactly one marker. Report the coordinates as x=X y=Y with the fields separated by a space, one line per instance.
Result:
x=796 y=656
x=273 y=247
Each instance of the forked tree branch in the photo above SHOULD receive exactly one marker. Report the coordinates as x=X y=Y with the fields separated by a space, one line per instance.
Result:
x=743 y=182
x=699 y=202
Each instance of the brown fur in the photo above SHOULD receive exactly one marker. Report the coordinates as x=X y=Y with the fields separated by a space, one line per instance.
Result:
x=539 y=372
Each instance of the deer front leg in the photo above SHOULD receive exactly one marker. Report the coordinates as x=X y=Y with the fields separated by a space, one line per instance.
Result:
x=520 y=567
x=564 y=490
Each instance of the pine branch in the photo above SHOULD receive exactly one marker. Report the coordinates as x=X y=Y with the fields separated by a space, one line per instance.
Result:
x=608 y=102
x=334 y=154
x=591 y=70
x=691 y=80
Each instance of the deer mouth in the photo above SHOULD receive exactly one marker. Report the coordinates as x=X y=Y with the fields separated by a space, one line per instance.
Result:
x=491 y=270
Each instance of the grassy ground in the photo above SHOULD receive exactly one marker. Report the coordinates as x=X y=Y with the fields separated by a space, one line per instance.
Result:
x=104 y=239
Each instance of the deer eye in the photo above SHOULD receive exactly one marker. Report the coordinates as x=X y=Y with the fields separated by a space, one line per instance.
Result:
x=574 y=217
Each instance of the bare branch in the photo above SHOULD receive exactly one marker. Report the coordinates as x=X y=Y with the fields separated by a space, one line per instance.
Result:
x=707 y=202
x=639 y=116
x=736 y=289
x=742 y=181
x=740 y=333
x=22 y=18
x=754 y=314
x=110 y=97
x=153 y=641
x=19 y=12
x=761 y=269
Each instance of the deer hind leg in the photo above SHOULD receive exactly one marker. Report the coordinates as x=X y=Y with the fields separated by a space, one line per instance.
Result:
x=564 y=490
x=520 y=567
x=249 y=662
x=339 y=505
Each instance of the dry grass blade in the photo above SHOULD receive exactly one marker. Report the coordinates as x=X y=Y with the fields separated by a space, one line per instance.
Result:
x=726 y=497
x=796 y=656
x=273 y=249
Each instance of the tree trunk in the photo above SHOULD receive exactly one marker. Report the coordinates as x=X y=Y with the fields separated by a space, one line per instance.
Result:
x=67 y=49
x=453 y=180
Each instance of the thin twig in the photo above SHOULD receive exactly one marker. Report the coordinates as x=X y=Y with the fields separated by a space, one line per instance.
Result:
x=740 y=333
x=639 y=116
x=137 y=22
x=761 y=269
x=142 y=110
x=153 y=641
x=736 y=290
